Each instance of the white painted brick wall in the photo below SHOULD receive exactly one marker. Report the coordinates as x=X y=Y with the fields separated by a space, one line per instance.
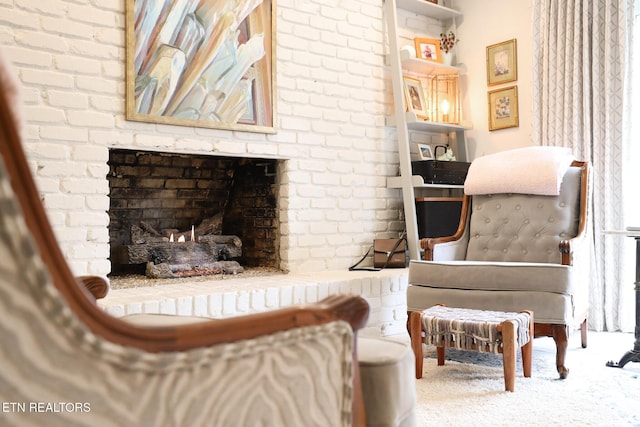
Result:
x=332 y=96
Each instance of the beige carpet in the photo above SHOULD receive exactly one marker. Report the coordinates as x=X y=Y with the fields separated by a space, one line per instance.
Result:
x=470 y=391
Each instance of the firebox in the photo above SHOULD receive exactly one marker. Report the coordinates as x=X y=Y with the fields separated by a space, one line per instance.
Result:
x=178 y=206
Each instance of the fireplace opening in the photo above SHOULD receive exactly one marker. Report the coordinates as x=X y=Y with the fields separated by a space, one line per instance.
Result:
x=181 y=215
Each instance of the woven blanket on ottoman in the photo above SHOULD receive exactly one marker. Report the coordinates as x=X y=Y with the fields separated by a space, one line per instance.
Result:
x=467 y=329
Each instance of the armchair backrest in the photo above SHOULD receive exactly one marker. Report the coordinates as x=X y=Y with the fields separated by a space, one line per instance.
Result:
x=527 y=228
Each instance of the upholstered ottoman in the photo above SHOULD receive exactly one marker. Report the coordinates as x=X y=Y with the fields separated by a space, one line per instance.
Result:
x=478 y=330
x=388 y=382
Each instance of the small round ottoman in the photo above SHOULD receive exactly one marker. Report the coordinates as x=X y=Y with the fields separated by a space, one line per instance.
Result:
x=387 y=372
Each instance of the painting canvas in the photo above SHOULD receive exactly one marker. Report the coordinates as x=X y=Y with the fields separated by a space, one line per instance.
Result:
x=206 y=63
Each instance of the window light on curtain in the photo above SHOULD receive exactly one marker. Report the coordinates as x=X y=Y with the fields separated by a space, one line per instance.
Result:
x=582 y=100
x=631 y=195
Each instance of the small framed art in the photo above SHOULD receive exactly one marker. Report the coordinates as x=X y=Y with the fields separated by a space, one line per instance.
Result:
x=428 y=49
x=424 y=152
x=503 y=108
x=502 y=63
x=414 y=97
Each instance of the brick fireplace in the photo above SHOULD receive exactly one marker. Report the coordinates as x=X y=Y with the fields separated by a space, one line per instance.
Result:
x=177 y=191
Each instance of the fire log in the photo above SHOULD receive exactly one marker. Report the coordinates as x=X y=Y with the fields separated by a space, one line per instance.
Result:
x=207 y=250
x=166 y=271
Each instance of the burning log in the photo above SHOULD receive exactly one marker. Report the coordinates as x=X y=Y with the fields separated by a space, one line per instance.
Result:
x=208 y=226
x=207 y=249
x=145 y=233
x=193 y=256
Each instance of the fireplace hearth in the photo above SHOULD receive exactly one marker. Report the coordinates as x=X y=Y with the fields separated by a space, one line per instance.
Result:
x=221 y=211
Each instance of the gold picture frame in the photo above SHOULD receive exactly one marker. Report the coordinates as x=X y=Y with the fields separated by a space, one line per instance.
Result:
x=428 y=49
x=201 y=63
x=503 y=108
x=502 y=63
x=414 y=97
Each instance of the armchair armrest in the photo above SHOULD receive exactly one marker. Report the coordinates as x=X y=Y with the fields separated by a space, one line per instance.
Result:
x=97 y=286
x=575 y=244
x=452 y=247
x=568 y=248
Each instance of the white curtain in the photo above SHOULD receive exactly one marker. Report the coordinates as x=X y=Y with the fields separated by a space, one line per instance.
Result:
x=582 y=101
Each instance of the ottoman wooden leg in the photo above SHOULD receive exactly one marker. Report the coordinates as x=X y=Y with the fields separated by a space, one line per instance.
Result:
x=527 y=349
x=415 y=332
x=440 y=352
x=509 y=348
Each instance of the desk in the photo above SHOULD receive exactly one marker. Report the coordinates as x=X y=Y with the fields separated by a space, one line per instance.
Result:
x=631 y=355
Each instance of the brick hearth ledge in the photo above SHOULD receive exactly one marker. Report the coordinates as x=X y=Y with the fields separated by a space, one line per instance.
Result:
x=384 y=290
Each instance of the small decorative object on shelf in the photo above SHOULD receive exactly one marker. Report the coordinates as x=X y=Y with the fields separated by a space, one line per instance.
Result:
x=433 y=1
x=447 y=43
x=414 y=97
x=408 y=50
x=445 y=98
x=428 y=49
x=424 y=152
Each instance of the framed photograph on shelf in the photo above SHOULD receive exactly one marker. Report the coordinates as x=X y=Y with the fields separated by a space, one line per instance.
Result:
x=428 y=49
x=503 y=108
x=414 y=97
x=502 y=63
x=424 y=152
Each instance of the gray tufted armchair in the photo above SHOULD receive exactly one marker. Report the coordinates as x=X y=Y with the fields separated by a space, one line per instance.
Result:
x=514 y=252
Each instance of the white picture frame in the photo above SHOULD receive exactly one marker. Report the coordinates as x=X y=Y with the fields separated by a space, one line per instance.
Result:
x=425 y=152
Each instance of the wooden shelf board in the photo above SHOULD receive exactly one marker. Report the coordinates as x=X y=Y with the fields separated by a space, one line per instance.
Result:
x=414 y=123
x=424 y=7
x=422 y=66
x=418 y=182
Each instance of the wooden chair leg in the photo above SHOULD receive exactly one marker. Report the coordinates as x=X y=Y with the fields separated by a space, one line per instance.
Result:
x=509 y=349
x=561 y=337
x=583 y=333
x=415 y=333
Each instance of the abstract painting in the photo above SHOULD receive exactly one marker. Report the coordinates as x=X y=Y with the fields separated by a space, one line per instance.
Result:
x=204 y=63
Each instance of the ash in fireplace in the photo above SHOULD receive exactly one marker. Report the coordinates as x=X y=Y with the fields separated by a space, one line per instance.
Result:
x=128 y=281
